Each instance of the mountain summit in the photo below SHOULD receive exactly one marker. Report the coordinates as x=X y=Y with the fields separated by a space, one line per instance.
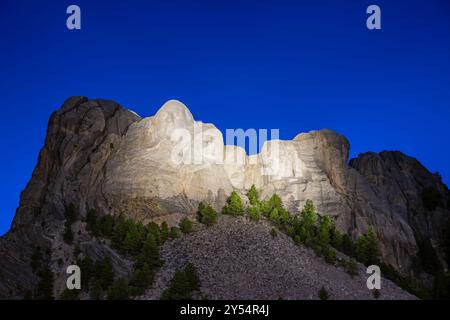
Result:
x=98 y=155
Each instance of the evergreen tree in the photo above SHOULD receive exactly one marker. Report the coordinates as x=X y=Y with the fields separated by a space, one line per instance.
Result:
x=348 y=246
x=323 y=294
x=97 y=291
x=192 y=276
x=185 y=225
x=376 y=293
x=253 y=212
x=173 y=234
x=104 y=272
x=351 y=267
x=105 y=225
x=274 y=217
x=275 y=202
x=69 y=294
x=119 y=290
x=87 y=267
x=283 y=216
x=273 y=232
x=132 y=240
x=120 y=231
x=149 y=254
x=164 y=232
x=329 y=255
x=326 y=225
x=208 y=216
x=201 y=207
x=373 y=251
x=336 y=238
x=154 y=229
x=308 y=223
x=361 y=249
x=141 y=279
x=234 y=205
x=179 y=288
x=253 y=196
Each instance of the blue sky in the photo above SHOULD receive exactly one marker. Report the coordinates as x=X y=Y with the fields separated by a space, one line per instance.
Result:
x=292 y=65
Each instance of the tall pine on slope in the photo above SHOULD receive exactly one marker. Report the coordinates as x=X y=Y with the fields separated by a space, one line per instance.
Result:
x=234 y=205
x=253 y=196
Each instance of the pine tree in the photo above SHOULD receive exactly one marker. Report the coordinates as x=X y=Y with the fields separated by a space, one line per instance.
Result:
x=142 y=279
x=69 y=294
x=149 y=254
x=351 y=267
x=208 y=216
x=373 y=251
x=284 y=216
x=273 y=232
x=97 y=291
x=105 y=273
x=192 y=276
x=119 y=290
x=234 y=205
x=275 y=202
x=308 y=223
x=361 y=249
x=336 y=238
x=105 y=225
x=87 y=267
x=348 y=246
x=325 y=230
x=201 y=207
x=132 y=241
x=274 y=217
x=173 y=234
x=323 y=294
x=178 y=288
x=253 y=213
x=120 y=231
x=253 y=196
x=185 y=225
x=154 y=229
x=164 y=231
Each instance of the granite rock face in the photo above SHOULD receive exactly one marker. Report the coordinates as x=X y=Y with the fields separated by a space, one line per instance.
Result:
x=400 y=182
x=100 y=155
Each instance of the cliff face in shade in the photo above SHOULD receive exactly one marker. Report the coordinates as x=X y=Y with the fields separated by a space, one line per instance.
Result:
x=100 y=155
x=400 y=182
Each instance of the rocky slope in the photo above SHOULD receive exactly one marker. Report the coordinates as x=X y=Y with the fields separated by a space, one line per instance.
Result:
x=100 y=155
x=238 y=259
